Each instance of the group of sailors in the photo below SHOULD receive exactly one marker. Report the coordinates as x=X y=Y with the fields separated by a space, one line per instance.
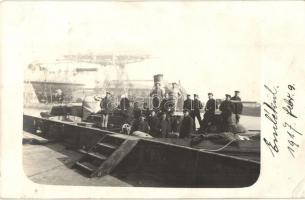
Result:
x=160 y=121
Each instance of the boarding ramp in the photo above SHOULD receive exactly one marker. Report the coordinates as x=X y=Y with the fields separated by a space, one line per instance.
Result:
x=105 y=155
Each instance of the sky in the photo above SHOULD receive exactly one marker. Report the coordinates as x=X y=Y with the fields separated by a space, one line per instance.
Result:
x=209 y=47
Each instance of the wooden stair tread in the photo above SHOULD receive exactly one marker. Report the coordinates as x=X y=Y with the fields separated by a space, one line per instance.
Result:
x=107 y=145
x=97 y=155
x=87 y=166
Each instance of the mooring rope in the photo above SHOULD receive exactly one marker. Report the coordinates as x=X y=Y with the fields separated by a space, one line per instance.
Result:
x=219 y=149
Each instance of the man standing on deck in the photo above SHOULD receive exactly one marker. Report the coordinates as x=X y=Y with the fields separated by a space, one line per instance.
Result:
x=238 y=106
x=165 y=125
x=188 y=103
x=106 y=108
x=210 y=108
x=146 y=110
x=137 y=112
x=154 y=124
x=186 y=127
x=226 y=107
x=128 y=115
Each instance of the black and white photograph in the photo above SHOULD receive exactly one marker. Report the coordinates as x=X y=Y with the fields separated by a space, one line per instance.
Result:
x=141 y=94
x=152 y=99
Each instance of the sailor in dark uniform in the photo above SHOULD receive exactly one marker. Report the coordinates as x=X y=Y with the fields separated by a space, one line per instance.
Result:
x=238 y=106
x=154 y=122
x=188 y=104
x=137 y=112
x=165 y=125
x=226 y=107
x=146 y=110
x=140 y=125
x=210 y=108
x=187 y=123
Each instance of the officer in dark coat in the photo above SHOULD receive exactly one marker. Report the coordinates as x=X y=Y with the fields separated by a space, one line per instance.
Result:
x=146 y=110
x=128 y=115
x=238 y=106
x=226 y=107
x=137 y=112
x=187 y=123
x=188 y=103
x=165 y=125
x=154 y=124
x=210 y=108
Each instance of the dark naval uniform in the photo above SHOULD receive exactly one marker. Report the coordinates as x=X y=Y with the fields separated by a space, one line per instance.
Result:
x=139 y=125
x=209 y=112
x=188 y=104
x=186 y=127
x=165 y=127
x=226 y=108
x=238 y=107
x=154 y=124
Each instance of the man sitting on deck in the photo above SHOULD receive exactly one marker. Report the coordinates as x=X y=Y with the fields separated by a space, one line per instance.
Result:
x=140 y=125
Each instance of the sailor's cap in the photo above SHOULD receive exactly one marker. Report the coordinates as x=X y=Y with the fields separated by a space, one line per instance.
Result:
x=237 y=91
x=227 y=95
x=210 y=93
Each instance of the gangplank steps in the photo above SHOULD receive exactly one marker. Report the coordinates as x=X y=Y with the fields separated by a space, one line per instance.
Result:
x=97 y=155
x=107 y=145
x=85 y=166
x=104 y=156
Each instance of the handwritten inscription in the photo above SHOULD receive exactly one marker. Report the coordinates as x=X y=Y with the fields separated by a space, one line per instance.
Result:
x=291 y=130
x=270 y=109
x=289 y=100
x=271 y=112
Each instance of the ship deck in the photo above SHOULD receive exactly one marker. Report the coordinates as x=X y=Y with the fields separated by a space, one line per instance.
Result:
x=50 y=163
